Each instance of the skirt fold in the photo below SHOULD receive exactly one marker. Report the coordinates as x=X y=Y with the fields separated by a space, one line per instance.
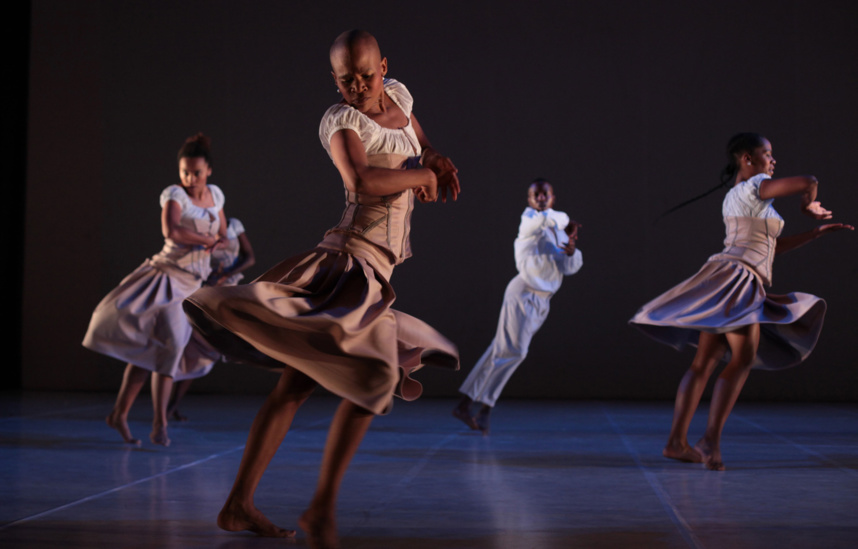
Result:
x=725 y=295
x=326 y=313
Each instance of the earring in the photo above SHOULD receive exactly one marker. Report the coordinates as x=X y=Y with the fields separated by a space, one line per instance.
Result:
x=749 y=163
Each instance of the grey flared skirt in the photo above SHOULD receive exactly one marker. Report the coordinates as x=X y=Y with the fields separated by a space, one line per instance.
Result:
x=725 y=295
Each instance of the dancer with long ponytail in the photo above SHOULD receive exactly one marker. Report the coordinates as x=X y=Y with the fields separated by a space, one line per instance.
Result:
x=724 y=309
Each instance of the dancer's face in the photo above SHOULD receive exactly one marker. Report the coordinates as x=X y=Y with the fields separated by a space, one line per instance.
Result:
x=762 y=160
x=359 y=73
x=540 y=196
x=194 y=172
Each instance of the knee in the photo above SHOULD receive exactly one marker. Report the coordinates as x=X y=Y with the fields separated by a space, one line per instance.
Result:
x=702 y=367
x=293 y=388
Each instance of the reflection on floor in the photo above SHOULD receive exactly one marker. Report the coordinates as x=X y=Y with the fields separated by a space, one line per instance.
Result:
x=550 y=475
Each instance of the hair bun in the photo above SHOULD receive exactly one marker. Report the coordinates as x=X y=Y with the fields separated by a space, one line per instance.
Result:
x=197 y=146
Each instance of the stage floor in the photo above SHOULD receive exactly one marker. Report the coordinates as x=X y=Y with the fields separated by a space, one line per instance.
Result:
x=552 y=474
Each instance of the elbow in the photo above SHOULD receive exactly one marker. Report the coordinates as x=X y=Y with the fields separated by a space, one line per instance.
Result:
x=363 y=182
x=357 y=182
x=810 y=185
x=360 y=185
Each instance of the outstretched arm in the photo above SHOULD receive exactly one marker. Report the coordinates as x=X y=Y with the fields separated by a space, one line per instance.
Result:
x=805 y=185
x=787 y=243
x=350 y=158
x=442 y=166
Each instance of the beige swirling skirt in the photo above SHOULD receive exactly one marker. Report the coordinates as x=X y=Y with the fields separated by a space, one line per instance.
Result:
x=327 y=314
x=141 y=322
x=725 y=295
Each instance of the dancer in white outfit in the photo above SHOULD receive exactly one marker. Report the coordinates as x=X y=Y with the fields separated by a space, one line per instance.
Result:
x=545 y=252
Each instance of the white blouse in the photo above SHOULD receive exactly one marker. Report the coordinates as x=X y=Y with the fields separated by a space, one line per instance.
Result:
x=376 y=139
x=743 y=200
x=539 y=255
x=193 y=259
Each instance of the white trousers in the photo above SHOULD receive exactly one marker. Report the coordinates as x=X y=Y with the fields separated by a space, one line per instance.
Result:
x=522 y=314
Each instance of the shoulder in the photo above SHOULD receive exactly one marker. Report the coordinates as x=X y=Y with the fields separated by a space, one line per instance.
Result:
x=528 y=213
x=217 y=196
x=400 y=95
x=236 y=226
x=341 y=117
x=750 y=188
x=755 y=181
x=743 y=200
x=175 y=193
x=560 y=218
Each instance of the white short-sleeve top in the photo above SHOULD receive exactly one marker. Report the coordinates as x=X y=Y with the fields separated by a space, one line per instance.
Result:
x=376 y=139
x=193 y=259
x=743 y=200
x=751 y=227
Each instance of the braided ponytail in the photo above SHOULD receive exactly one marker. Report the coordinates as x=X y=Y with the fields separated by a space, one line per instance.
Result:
x=738 y=145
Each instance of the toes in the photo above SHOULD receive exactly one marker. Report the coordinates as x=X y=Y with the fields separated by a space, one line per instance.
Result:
x=160 y=437
x=715 y=465
x=466 y=419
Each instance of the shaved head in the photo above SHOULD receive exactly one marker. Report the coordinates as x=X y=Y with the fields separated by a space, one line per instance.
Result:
x=350 y=42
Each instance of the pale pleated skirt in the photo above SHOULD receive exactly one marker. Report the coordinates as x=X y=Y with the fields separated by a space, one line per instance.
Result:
x=141 y=322
x=725 y=295
x=327 y=314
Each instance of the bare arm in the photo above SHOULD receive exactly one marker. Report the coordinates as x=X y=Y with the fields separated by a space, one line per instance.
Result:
x=805 y=185
x=171 y=227
x=445 y=170
x=787 y=243
x=246 y=259
x=358 y=176
x=223 y=225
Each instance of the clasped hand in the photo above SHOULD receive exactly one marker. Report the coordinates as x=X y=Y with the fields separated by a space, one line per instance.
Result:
x=447 y=179
x=572 y=230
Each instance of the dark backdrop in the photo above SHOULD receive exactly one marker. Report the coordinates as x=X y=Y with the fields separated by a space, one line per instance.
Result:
x=624 y=106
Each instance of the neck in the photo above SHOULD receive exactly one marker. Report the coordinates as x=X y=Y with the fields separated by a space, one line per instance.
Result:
x=745 y=175
x=196 y=192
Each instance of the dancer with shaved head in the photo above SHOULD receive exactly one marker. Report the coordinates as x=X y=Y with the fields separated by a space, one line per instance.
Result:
x=324 y=317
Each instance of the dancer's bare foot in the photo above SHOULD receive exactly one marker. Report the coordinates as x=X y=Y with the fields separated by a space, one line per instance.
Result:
x=235 y=518
x=462 y=411
x=482 y=418
x=711 y=455
x=116 y=421
x=176 y=415
x=320 y=528
x=682 y=452
x=159 y=435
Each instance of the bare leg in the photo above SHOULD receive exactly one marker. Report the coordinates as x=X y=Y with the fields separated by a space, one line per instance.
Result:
x=710 y=349
x=347 y=431
x=462 y=411
x=482 y=418
x=266 y=434
x=743 y=346
x=180 y=388
x=132 y=381
x=162 y=386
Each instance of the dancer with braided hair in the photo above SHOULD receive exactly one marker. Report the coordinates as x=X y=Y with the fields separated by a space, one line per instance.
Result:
x=724 y=309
